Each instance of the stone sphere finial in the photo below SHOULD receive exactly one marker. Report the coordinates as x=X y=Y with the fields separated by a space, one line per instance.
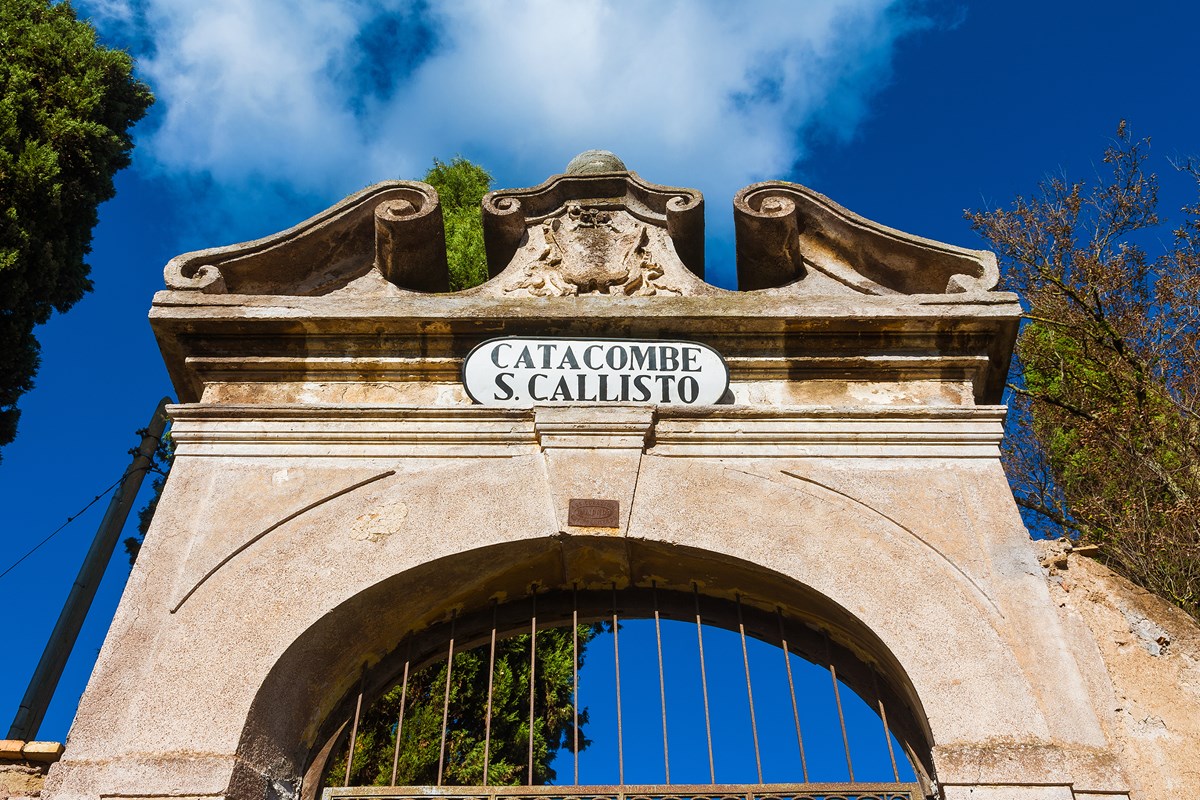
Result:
x=590 y=162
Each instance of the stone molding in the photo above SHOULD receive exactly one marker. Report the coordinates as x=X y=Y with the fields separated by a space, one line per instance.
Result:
x=421 y=338
x=969 y=369
x=585 y=427
x=474 y=431
x=915 y=432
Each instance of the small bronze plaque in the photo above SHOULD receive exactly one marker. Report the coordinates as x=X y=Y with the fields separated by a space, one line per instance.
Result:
x=594 y=513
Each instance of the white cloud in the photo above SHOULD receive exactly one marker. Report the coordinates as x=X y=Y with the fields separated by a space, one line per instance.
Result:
x=321 y=97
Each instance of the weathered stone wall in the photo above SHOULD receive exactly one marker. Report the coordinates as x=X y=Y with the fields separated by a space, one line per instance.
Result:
x=1141 y=662
x=23 y=767
x=21 y=779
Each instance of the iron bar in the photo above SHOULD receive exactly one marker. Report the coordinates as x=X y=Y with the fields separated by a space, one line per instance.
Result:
x=400 y=717
x=446 y=702
x=787 y=662
x=487 y=723
x=354 y=727
x=749 y=689
x=617 y=675
x=662 y=683
x=887 y=732
x=575 y=674
x=837 y=696
x=712 y=769
x=532 y=672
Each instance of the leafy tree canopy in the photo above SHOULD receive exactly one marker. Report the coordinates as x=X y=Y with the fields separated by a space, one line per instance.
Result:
x=424 y=701
x=1107 y=373
x=461 y=186
x=66 y=106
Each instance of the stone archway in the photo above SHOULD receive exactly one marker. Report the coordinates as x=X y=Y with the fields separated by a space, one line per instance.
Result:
x=336 y=488
x=298 y=711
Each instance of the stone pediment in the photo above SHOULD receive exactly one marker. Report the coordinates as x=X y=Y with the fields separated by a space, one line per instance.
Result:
x=598 y=229
x=790 y=236
x=392 y=229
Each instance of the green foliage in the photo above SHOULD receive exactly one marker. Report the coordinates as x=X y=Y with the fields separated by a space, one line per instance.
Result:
x=461 y=186
x=508 y=757
x=66 y=106
x=1107 y=374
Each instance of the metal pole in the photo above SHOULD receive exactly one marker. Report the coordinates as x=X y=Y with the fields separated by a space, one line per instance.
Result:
x=45 y=678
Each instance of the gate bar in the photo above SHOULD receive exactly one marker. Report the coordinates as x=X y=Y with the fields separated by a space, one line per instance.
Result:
x=787 y=662
x=662 y=684
x=354 y=728
x=446 y=702
x=617 y=674
x=400 y=719
x=575 y=673
x=532 y=671
x=487 y=724
x=749 y=691
x=887 y=732
x=837 y=696
x=712 y=770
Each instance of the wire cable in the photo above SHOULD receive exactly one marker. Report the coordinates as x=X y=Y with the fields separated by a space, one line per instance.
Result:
x=70 y=519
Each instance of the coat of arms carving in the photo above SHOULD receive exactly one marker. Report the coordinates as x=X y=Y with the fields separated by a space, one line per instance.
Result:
x=592 y=250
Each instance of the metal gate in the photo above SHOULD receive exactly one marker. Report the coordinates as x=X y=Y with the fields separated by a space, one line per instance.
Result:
x=758 y=679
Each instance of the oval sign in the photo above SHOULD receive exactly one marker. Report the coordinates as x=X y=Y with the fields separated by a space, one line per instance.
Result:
x=518 y=372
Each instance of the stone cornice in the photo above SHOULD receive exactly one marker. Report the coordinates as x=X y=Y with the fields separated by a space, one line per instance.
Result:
x=424 y=337
x=473 y=431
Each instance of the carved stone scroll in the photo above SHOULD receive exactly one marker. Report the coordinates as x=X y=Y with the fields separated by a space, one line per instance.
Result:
x=503 y=229
x=396 y=225
x=785 y=232
x=410 y=242
x=206 y=278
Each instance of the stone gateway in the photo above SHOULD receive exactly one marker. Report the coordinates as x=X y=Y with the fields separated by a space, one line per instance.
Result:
x=369 y=466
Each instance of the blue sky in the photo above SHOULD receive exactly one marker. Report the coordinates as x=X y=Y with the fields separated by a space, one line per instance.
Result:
x=907 y=113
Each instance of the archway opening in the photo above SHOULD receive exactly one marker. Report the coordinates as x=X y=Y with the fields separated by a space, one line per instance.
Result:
x=651 y=689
